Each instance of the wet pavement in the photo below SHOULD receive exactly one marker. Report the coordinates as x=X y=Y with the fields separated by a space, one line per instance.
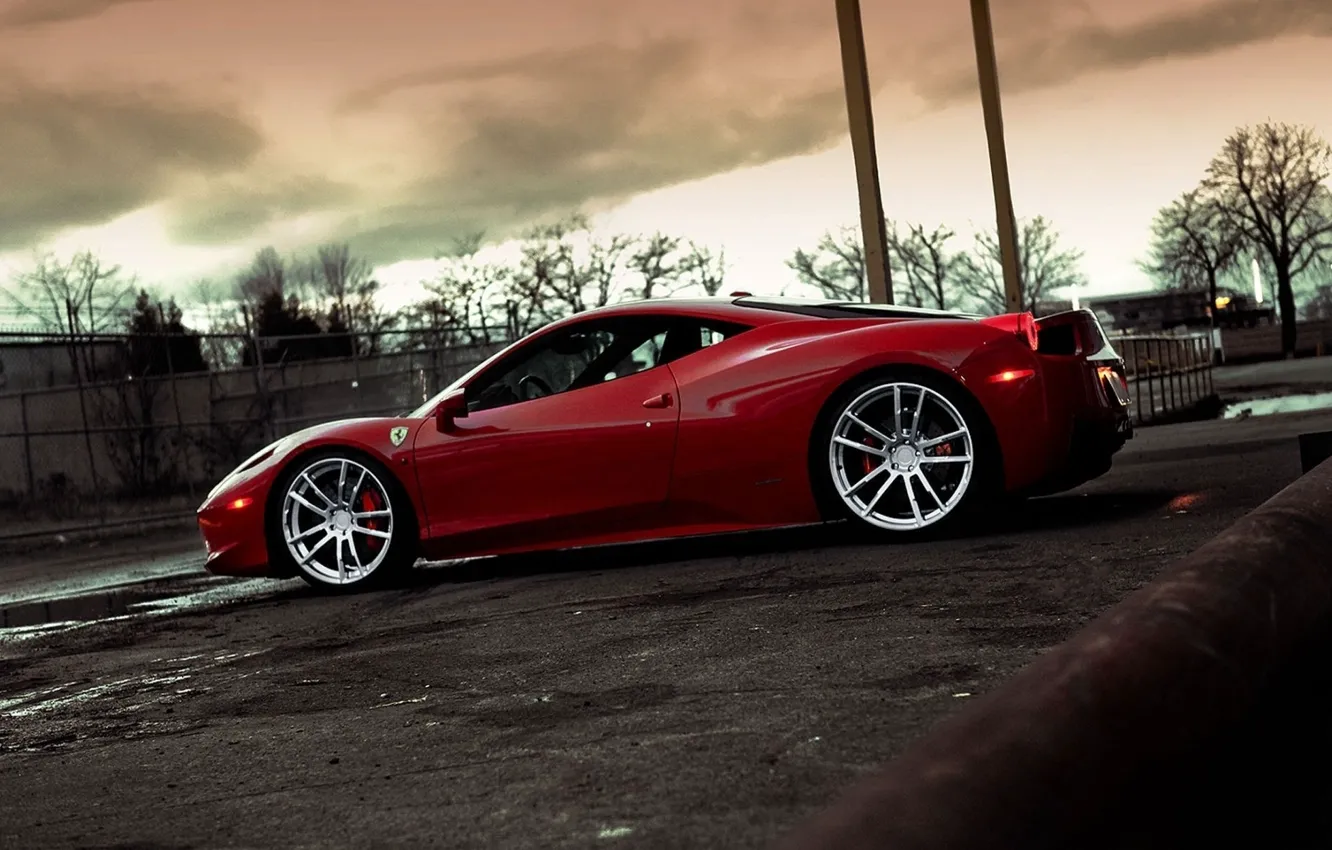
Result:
x=122 y=601
x=689 y=694
x=1293 y=403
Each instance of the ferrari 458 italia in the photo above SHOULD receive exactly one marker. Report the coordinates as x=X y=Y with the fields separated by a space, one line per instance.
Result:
x=667 y=418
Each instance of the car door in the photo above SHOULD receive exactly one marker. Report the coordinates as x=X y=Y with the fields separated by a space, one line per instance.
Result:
x=558 y=444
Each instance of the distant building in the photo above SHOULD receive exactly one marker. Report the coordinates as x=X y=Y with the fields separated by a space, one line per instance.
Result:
x=1163 y=311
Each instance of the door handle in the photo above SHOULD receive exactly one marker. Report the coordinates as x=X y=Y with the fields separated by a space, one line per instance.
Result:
x=658 y=401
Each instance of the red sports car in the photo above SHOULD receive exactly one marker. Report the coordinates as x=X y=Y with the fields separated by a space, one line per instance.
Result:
x=671 y=417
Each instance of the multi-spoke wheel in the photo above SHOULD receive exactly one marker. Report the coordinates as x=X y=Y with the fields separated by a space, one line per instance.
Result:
x=901 y=455
x=337 y=522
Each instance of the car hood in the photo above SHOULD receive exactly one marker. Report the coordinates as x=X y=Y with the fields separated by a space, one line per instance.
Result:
x=363 y=432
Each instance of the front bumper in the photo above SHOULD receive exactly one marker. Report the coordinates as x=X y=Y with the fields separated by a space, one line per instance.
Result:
x=233 y=533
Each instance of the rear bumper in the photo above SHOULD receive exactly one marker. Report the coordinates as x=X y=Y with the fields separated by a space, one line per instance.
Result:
x=1093 y=443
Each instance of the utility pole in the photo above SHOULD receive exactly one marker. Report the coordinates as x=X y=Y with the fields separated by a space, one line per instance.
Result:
x=987 y=66
x=855 y=75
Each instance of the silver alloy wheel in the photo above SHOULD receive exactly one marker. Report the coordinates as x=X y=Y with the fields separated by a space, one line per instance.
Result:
x=901 y=456
x=337 y=521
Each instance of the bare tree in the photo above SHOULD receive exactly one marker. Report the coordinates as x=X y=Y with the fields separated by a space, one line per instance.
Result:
x=342 y=284
x=215 y=308
x=216 y=305
x=79 y=296
x=266 y=277
x=603 y=270
x=926 y=263
x=702 y=268
x=1043 y=264
x=1319 y=305
x=836 y=266
x=566 y=269
x=657 y=262
x=1271 y=180
x=1194 y=244
x=467 y=294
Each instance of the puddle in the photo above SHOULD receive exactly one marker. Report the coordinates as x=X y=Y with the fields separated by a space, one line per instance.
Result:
x=1282 y=404
x=44 y=615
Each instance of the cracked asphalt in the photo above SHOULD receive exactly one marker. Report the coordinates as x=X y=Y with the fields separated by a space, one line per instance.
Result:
x=705 y=693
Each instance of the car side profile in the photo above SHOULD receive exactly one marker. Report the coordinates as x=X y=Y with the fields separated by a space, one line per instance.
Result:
x=668 y=418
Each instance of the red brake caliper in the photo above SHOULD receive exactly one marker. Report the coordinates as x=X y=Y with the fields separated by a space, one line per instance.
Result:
x=868 y=460
x=370 y=501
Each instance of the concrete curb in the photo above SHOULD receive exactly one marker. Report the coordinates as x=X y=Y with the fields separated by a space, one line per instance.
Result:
x=1173 y=665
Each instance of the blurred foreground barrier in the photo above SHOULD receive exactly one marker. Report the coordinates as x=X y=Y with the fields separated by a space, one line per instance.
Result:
x=1178 y=662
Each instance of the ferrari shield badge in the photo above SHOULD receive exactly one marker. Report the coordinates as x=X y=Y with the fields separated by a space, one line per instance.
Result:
x=397 y=435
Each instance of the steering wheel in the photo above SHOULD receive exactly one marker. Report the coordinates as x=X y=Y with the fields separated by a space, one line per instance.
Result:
x=542 y=388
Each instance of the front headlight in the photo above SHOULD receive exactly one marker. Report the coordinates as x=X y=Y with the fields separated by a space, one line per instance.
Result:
x=254 y=460
x=260 y=456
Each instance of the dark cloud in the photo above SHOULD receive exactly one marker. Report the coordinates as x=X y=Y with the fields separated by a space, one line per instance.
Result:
x=27 y=14
x=1056 y=56
x=71 y=158
x=233 y=209
x=548 y=132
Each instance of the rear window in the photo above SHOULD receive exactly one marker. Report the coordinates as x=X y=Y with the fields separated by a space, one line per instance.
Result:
x=845 y=309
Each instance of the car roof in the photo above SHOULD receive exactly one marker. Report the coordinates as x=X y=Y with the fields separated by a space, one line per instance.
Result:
x=743 y=307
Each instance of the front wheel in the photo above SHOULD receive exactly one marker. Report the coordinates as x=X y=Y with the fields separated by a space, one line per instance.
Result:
x=340 y=522
x=903 y=453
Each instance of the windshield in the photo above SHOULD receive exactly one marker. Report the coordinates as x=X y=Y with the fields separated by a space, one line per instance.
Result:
x=431 y=403
x=826 y=309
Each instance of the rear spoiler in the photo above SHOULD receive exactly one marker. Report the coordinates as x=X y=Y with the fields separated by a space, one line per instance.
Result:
x=1072 y=333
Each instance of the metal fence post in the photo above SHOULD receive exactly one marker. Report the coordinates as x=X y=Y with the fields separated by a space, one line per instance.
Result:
x=180 y=420
x=1202 y=368
x=83 y=412
x=1211 y=363
x=260 y=380
x=27 y=446
x=1153 y=371
x=1137 y=381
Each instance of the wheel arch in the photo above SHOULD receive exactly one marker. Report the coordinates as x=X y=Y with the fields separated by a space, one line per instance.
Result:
x=814 y=452
x=293 y=461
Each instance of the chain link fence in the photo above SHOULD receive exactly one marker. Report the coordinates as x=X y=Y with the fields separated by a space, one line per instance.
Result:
x=101 y=430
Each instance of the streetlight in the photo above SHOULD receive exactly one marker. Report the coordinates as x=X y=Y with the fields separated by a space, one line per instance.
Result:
x=860 y=117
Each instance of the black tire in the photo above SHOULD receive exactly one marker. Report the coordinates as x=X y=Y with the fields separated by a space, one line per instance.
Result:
x=382 y=501
x=983 y=485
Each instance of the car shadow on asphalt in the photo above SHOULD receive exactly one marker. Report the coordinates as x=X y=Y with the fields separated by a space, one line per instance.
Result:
x=1046 y=514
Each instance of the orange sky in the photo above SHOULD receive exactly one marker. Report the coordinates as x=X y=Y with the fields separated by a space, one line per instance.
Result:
x=177 y=136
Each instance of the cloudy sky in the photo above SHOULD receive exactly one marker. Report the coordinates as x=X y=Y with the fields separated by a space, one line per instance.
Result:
x=178 y=136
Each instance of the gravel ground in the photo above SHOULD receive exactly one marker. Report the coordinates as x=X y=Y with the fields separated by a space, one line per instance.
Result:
x=708 y=693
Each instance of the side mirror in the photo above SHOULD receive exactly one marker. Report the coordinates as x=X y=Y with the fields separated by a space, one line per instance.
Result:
x=451 y=407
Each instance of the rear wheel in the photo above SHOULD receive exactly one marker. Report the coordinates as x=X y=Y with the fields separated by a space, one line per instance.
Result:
x=341 y=522
x=904 y=452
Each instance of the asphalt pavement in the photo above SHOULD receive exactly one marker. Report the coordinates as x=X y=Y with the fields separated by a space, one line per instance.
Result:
x=705 y=693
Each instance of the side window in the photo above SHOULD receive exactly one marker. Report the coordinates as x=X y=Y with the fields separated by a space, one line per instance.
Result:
x=646 y=356
x=712 y=336
x=573 y=358
x=687 y=336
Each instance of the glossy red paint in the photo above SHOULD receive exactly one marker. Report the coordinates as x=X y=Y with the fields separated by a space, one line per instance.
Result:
x=715 y=440
x=236 y=539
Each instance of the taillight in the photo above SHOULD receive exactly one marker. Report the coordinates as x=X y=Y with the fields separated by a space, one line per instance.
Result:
x=1114 y=383
x=1110 y=373
x=1027 y=328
